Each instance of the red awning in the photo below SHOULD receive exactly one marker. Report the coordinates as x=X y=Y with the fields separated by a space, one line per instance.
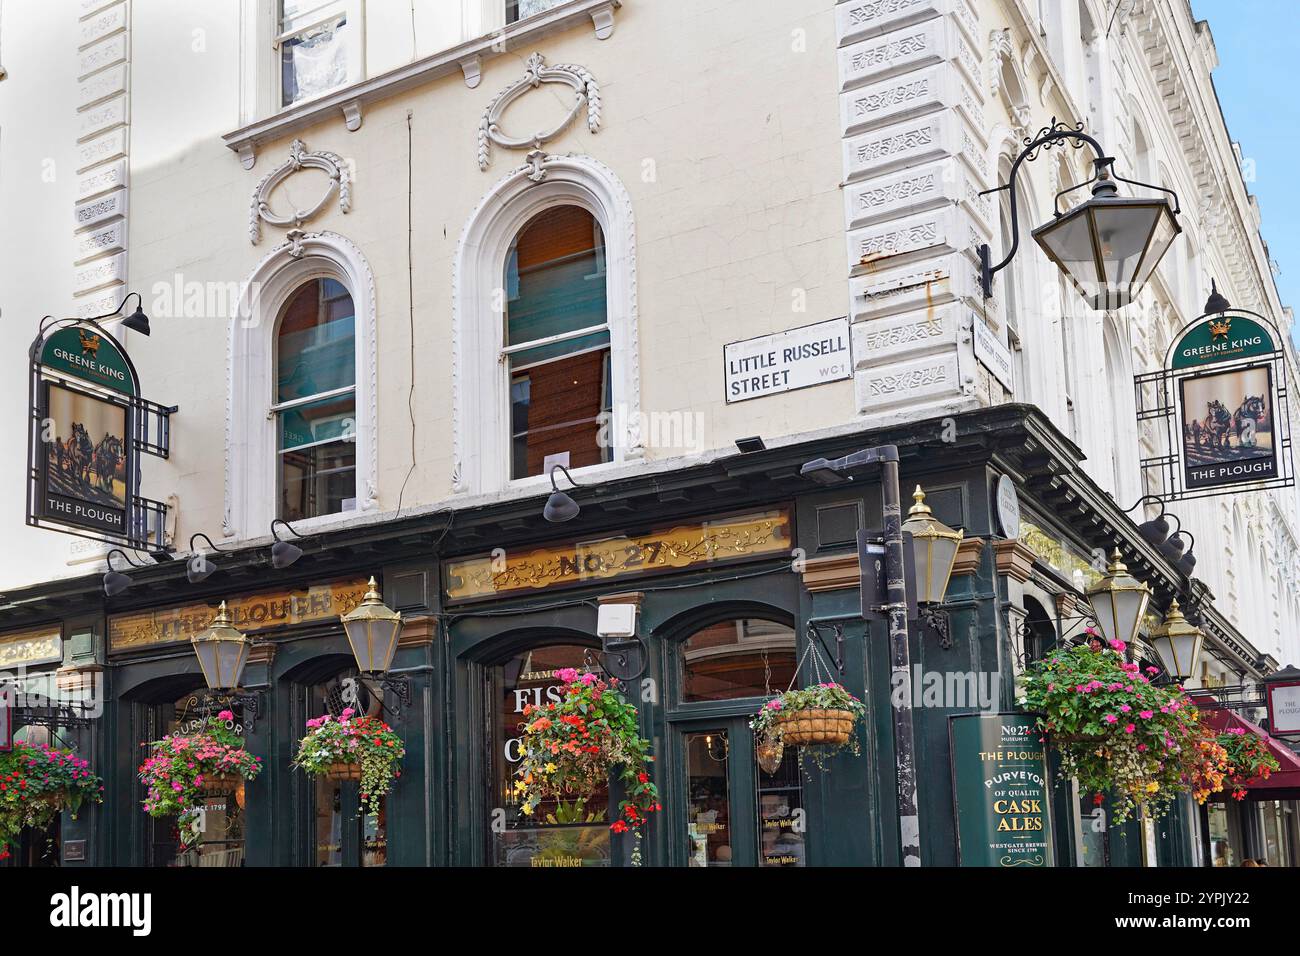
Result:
x=1287 y=778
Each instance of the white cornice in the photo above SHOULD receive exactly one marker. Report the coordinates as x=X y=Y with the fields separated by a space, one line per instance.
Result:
x=467 y=58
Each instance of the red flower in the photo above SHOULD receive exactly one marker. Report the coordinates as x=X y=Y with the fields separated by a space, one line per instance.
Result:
x=643 y=777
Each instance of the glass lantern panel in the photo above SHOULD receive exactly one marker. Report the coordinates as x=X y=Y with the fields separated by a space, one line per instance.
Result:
x=1164 y=235
x=1069 y=242
x=1123 y=232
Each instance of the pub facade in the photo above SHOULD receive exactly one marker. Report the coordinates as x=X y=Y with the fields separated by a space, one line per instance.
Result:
x=391 y=322
x=728 y=600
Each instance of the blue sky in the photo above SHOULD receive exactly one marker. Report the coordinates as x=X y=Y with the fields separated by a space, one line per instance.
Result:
x=1259 y=90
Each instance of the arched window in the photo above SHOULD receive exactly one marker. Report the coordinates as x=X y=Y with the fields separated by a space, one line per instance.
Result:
x=556 y=342
x=744 y=657
x=301 y=432
x=544 y=327
x=315 y=402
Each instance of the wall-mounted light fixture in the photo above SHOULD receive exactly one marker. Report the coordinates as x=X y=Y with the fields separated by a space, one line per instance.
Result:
x=1119 y=601
x=284 y=553
x=1107 y=246
x=560 y=506
x=198 y=568
x=137 y=321
x=1178 y=642
x=373 y=629
x=115 y=582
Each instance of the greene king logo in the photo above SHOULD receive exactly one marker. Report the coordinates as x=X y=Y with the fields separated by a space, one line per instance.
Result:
x=76 y=909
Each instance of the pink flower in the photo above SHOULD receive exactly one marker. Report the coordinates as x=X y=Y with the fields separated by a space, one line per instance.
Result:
x=1111 y=719
x=1146 y=714
x=1142 y=747
x=1124 y=708
x=1153 y=671
x=225 y=715
x=1130 y=728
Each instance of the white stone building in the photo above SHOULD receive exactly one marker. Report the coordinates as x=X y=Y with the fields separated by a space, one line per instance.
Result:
x=723 y=170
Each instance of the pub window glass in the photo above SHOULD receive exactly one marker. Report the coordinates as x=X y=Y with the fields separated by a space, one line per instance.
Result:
x=220 y=841
x=708 y=788
x=563 y=832
x=315 y=402
x=346 y=833
x=556 y=342
x=745 y=657
x=781 y=813
x=1222 y=850
x=37 y=847
x=522 y=9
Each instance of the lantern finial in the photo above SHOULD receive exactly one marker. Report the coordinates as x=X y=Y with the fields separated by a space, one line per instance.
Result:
x=920 y=507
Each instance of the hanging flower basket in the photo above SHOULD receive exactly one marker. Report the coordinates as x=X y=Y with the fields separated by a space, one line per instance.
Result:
x=822 y=720
x=1117 y=732
x=342 y=772
x=816 y=727
x=349 y=747
x=220 y=784
x=184 y=769
x=37 y=783
x=571 y=747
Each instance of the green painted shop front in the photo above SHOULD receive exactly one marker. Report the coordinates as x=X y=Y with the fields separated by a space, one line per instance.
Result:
x=721 y=633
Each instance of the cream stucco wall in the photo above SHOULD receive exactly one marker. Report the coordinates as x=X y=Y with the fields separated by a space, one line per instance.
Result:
x=730 y=163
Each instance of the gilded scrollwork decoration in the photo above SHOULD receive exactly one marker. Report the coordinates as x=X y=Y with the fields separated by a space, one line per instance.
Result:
x=300 y=158
x=586 y=95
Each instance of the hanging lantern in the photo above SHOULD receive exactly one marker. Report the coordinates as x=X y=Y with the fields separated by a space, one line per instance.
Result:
x=1109 y=246
x=373 y=628
x=770 y=750
x=934 y=550
x=1119 y=601
x=1178 y=642
x=222 y=650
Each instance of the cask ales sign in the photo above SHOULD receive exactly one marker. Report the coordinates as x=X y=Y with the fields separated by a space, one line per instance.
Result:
x=1000 y=790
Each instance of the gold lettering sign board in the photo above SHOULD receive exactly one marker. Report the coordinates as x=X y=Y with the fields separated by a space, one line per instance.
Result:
x=258 y=612
x=31 y=647
x=725 y=539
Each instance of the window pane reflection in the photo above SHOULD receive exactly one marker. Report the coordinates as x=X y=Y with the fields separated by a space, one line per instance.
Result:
x=739 y=658
x=329 y=823
x=559 y=833
x=781 y=819
x=709 y=801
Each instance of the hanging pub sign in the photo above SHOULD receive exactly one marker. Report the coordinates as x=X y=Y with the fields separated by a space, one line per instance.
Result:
x=1283 y=696
x=1000 y=792
x=88 y=428
x=1223 y=398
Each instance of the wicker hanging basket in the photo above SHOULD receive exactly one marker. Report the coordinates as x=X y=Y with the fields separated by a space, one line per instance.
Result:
x=221 y=784
x=338 y=772
x=807 y=727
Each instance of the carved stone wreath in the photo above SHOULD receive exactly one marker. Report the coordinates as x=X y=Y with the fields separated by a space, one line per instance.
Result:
x=300 y=158
x=586 y=93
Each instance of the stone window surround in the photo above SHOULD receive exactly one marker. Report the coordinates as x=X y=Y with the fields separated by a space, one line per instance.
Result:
x=250 y=461
x=480 y=407
x=350 y=101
